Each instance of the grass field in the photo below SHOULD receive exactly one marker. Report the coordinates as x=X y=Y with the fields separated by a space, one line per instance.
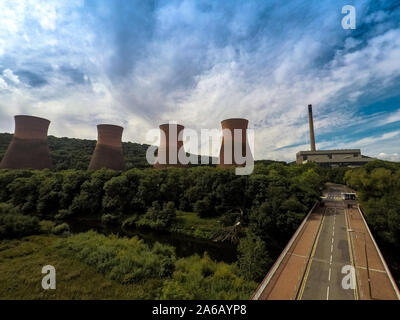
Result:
x=21 y=262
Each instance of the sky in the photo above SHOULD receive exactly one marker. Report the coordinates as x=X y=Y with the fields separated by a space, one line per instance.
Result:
x=141 y=63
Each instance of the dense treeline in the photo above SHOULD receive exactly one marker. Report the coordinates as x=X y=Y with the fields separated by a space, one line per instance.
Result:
x=280 y=192
x=270 y=203
x=378 y=188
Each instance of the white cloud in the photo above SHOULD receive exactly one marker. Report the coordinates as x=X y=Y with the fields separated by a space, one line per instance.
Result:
x=7 y=73
x=3 y=84
x=389 y=157
x=190 y=75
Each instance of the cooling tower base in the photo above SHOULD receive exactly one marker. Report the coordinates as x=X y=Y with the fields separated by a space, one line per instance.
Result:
x=27 y=154
x=106 y=156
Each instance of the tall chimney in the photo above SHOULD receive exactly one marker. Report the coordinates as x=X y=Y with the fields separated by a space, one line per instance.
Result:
x=228 y=140
x=169 y=145
x=108 y=152
x=28 y=148
x=311 y=123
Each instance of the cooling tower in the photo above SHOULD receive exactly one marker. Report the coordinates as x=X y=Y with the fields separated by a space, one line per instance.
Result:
x=169 y=146
x=229 y=141
x=28 y=148
x=311 y=123
x=108 y=152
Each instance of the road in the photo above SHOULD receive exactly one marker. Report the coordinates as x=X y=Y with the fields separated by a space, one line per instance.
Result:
x=323 y=279
x=331 y=252
x=333 y=245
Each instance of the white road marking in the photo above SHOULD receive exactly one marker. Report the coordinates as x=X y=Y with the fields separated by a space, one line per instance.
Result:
x=332 y=240
x=329 y=276
x=330 y=260
x=331 y=247
x=327 y=293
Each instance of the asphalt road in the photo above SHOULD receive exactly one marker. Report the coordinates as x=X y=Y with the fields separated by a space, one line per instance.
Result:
x=323 y=279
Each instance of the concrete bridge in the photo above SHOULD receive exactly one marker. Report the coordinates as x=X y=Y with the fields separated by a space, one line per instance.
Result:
x=331 y=256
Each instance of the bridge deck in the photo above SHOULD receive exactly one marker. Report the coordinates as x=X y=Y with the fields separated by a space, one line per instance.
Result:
x=330 y=238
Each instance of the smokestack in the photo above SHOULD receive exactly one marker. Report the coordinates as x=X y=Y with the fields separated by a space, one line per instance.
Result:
x=169 y=145
x=311 y=123
x=228 y=140
x=108 y=152
x=28 y=148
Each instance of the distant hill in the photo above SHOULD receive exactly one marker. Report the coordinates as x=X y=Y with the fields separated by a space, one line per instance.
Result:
x=70 y=153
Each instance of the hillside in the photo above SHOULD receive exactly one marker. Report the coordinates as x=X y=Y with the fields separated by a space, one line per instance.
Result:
x=71 y=153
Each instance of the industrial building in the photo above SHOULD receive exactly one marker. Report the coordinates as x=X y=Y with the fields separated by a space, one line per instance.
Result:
x=108 y=152
x=28 y=148
x=330 y=158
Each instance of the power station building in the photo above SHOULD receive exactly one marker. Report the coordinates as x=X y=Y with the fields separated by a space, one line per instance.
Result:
x=330 y=158
x=28 y=148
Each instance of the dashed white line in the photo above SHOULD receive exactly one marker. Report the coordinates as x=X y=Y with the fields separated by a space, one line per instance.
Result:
x=329 y=276
x=330 y=260
x=327 y=293
x=331 y=247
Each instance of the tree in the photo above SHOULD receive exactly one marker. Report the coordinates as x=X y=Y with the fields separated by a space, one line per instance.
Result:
x=253 y=257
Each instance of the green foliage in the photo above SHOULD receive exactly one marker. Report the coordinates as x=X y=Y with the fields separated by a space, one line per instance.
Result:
x=15 y=225
x=254 y=260
x=61 y=229
x=202 y=278
x=20 y=276
x=157 y=217
x=272 y=201
x=378 y=189
x=121 y=259
x=204 y=207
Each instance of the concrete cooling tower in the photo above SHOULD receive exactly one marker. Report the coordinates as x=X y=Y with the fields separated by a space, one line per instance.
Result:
x=28 y=148
x=229 y=141
x=169 y=146
x=108 y=152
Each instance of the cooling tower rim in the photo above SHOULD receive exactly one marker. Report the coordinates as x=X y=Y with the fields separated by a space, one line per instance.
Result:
x=106 y=125
x=24 y=116
x=171 y=124
x=235 y=119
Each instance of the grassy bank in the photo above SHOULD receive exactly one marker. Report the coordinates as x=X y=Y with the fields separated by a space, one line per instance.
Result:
x=93 y=266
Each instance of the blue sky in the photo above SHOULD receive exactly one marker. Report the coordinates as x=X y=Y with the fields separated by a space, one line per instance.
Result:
x=141 y=63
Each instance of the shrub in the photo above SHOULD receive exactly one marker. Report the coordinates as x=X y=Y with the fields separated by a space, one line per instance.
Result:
x=202 y=278
x=61 y=229
x=17 y=225
x=109 y=219
x=121 y=259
